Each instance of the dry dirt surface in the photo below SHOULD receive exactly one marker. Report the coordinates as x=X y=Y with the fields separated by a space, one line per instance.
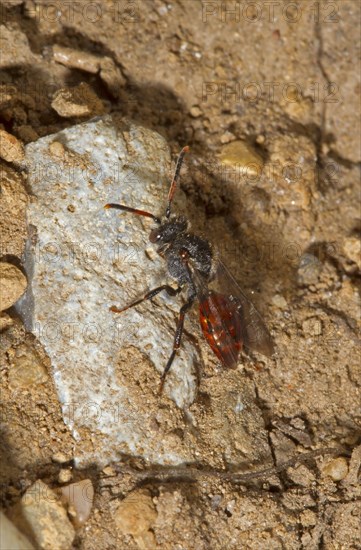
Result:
x=267 y=96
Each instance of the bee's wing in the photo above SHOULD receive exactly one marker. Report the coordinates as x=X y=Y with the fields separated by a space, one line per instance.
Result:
x=220 y=324
x=254 y=332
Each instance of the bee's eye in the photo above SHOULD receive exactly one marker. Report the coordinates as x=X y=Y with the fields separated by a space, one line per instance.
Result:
x=154 y=236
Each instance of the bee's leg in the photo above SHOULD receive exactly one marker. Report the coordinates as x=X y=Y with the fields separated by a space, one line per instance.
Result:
x=148 y=296
x=177 y=338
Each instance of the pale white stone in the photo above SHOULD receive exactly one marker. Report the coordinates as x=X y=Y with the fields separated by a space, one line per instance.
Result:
x=81 y=259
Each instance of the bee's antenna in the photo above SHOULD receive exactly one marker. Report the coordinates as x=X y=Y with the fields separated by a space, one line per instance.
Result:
x=133 y=211
x=173 y=185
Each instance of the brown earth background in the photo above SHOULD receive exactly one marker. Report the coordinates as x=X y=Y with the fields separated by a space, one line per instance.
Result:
x=284 y=78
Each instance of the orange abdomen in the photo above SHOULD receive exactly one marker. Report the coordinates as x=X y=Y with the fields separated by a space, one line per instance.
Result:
x=221 y=326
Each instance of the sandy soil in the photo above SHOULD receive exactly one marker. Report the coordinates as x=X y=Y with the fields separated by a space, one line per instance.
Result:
x=284 y=78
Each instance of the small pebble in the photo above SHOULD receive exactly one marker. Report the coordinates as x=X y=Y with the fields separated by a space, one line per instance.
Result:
x=13 y=284
x=216 y=501
x=11 y=149
x=336 y=469
x=57 y=149
x=325 y=149
x=309 y=270
x=241 y=154
x=162 y=10
x=136 y=513
x=298 y=108
x=279 y=301
x=72 y=512
x=230 y=506
x=77 y=102
x=65 y=476
x=108 y=471
x=79 y=496
x=105 y=66
x=352 y=249
x=298 y=423
x=26 y=368
x=226 y=137
x=308 y=518
x=76 y=59
x=301 y=475
x=312 y=327
x=195 y=111
x=60 y=458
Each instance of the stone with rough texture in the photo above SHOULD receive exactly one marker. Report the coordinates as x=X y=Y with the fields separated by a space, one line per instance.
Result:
x=79 y=101
x=84 y=258
x=11 y=148
x=26 y=367
x=135 y=516
x=43 y=519
x=76 y=59
x=13 y=201
x=13 y=284
x=14 y=46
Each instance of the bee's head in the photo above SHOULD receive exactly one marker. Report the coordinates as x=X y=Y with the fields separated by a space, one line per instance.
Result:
x=168 y=230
